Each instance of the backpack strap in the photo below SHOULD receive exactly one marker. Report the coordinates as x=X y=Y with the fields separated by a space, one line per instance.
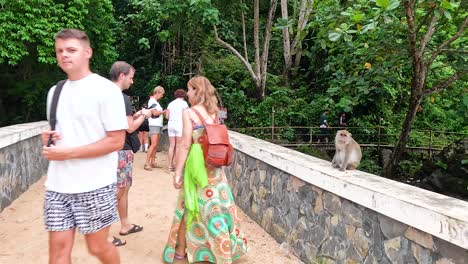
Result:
x=215 y=120
x=53 y=108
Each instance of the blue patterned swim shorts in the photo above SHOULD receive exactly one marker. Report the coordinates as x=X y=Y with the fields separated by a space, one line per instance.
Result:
x=125 y=168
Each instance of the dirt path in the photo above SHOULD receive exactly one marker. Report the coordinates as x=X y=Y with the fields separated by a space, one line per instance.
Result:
x=152 y=198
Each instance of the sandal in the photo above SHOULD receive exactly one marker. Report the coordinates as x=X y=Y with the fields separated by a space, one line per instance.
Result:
x=117 y=242
x=147 y=167
x=134 y=229
x=170 y=168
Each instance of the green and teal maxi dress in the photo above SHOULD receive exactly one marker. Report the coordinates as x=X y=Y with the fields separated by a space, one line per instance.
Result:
x=213 y=226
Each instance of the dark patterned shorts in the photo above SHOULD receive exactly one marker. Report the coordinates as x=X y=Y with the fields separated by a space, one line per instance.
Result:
x=89 y=211
x=125 y=168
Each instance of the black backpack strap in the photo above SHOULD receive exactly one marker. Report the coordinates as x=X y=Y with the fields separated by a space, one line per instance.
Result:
x=53 y=108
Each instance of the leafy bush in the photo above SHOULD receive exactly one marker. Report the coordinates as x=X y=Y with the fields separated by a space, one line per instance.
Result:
x=370 y=162
x=315 y=152
x=288 y=134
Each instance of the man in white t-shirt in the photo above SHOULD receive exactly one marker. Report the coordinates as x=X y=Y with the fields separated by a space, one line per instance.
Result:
x=80 y=185
x=155 y=127
x=174 y=126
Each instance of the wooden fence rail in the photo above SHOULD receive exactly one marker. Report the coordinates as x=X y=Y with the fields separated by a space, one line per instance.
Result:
x=428 y=140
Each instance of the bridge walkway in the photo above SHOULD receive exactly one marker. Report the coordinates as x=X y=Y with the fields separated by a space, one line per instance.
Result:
x=152 y=199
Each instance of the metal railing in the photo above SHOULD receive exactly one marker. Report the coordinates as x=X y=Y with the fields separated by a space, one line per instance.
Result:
x=419 y=140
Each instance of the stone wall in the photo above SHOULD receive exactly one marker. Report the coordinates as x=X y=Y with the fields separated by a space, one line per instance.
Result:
x=21 y=162
x=273 y=186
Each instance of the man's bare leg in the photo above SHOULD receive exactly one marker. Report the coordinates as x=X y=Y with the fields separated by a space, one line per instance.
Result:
x=120 y=193
x=122 y=207
x=99 y=247
x=60 y=246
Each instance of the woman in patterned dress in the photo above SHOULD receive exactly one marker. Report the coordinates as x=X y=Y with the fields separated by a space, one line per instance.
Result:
x=205 y=228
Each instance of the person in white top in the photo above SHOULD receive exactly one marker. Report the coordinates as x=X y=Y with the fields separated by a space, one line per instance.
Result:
x=155 y=127
x=174 y=126
x=80 y=185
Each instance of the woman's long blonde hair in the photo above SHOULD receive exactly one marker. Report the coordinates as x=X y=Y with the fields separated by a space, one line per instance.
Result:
x=205 y=94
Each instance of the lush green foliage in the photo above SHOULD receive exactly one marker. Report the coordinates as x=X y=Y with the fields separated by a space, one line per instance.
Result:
x=27 y=55
x=28 y=29
x=355 y=58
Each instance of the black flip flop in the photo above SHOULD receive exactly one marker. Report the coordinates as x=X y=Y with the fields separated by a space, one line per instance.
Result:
x=134 y=229
x=118 y=242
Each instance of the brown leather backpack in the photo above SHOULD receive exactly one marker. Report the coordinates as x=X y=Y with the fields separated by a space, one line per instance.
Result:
x=217 y=150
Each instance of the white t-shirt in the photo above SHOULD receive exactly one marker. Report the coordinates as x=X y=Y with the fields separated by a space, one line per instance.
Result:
x=158 y=121
x=175 y=109
x=87 y=108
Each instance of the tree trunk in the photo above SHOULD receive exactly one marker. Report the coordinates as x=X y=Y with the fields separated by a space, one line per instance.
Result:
x=246 y=54
x=304 y=13
x=247 y=65
x=266 y=45
x=259 y=71
x=418 y=80
x=256 y=40
x=153 y=57
x=420 y=69
x=400 y=147
x=286 y=43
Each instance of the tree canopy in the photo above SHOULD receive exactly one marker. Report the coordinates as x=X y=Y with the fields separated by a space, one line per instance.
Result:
x=399 y=62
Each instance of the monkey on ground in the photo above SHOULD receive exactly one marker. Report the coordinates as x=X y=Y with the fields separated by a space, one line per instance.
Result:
x=348 y=152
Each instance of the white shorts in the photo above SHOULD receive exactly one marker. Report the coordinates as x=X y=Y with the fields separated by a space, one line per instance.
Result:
x=174 y=129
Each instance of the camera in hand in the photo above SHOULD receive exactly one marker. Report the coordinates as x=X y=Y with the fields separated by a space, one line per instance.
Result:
x=153 y=106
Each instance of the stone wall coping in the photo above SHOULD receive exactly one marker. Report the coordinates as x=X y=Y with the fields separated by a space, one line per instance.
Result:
x=9 y=135
x=442 y=216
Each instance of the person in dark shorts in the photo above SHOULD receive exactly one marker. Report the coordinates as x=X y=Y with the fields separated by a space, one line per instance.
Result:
x=143 y=130
x=324 y=126
x=121 y=73
x=342 y=121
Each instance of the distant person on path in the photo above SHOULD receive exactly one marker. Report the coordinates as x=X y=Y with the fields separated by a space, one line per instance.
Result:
x=342 y=121
x=324 y=126
x=121 y=73
x=174 y=126
x=80 y=186
x=155 y=127
x=143 y=130
x=214 y=233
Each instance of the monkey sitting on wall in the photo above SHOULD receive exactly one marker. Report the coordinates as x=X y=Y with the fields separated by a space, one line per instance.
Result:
x=348 y=152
